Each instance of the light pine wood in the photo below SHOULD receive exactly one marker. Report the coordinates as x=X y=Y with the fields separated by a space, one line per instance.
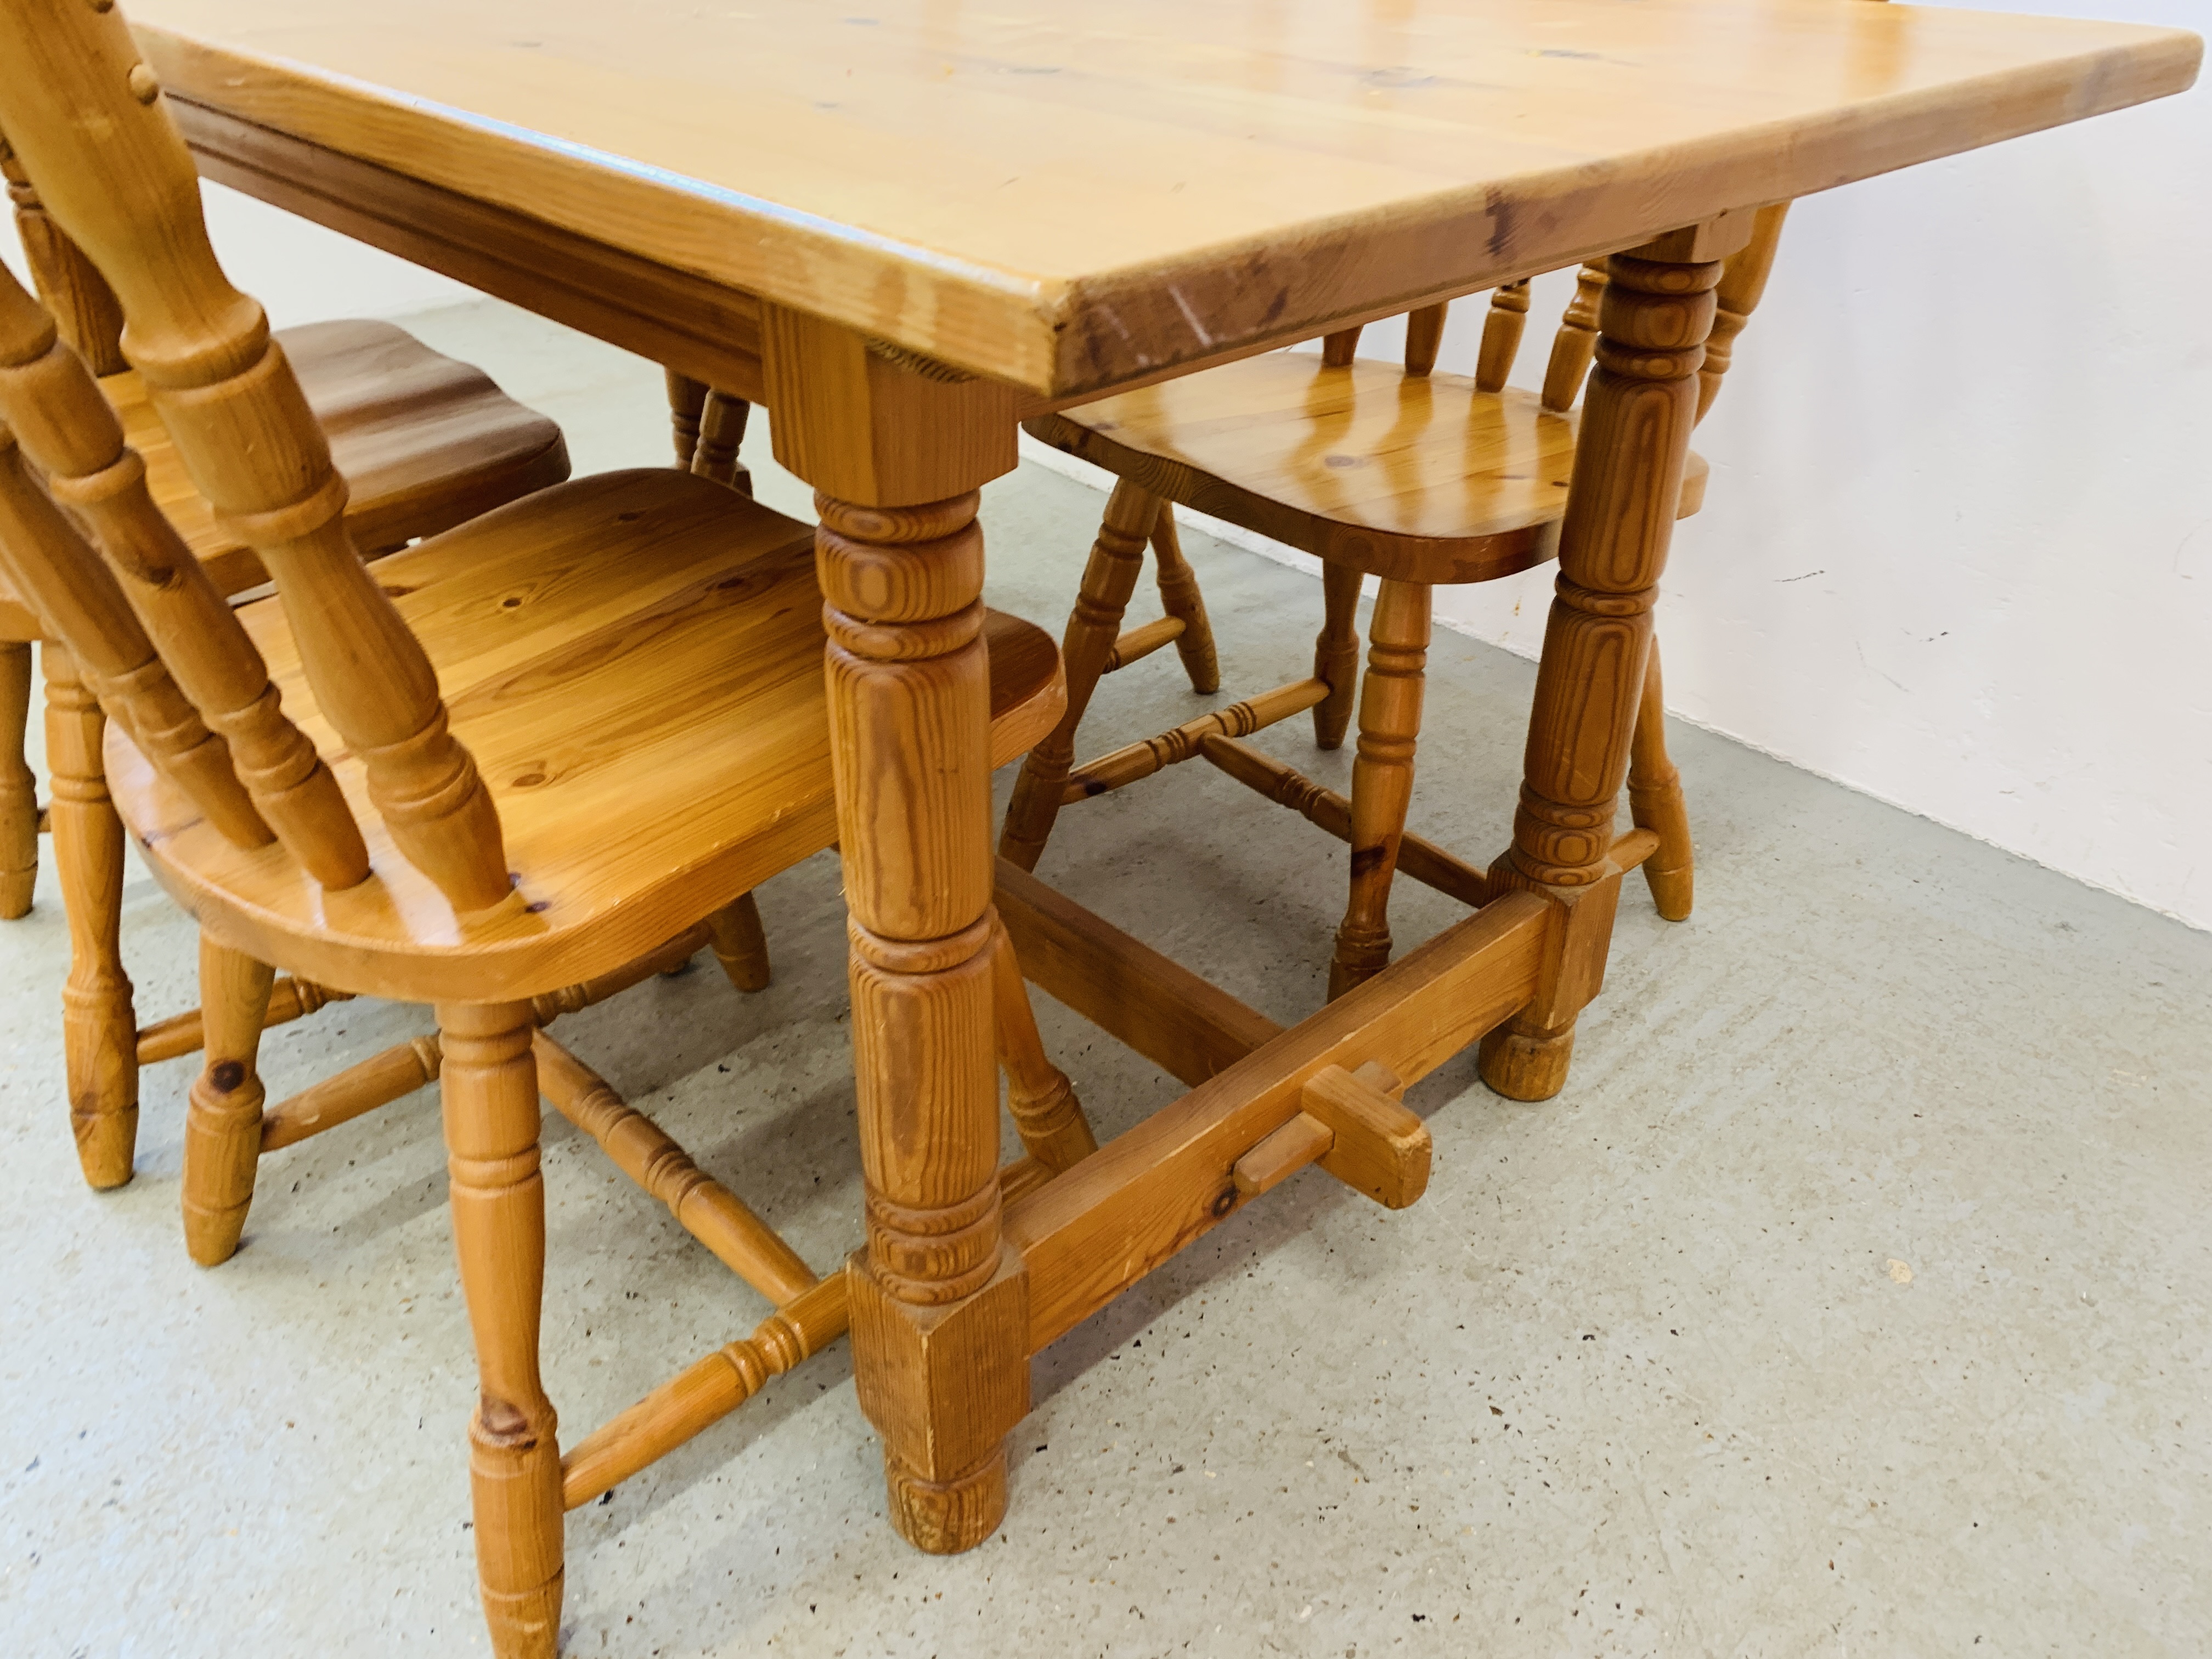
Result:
x=847 y=172
x=391 y=1074
x=1184 y=604
x=718 y=597
x=1350 y=1124
x=1575 y=343
x=99 y=1029
x=230 y=401
x=1336 y=652
x=489 y=1085
x=741 y=943
x=1657 y=309
x=1418 y=857
x=1138 y=760
x=1502 y=326
x=19 y=794
x=687 y=402
x=721 y=429
x=1109 y=579
x=705 y=1393
x=69 y=285
x=1424 y=336
x=1742 y=284
x=1186 y=1027
x=180 y=1034
x=642 y=1149
x=1153 y=1190
x=1417 y=479
x=931 y=1292
x=1654 y=801
x=1382 y=778
x=1042 y=1101
x=222 y=1123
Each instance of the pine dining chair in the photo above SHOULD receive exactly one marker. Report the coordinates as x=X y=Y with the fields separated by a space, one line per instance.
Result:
x=523 y=755
x=1418 y=478
x=423 y=443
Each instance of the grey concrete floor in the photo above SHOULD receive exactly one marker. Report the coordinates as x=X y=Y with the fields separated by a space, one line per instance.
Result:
x=1850 y=1300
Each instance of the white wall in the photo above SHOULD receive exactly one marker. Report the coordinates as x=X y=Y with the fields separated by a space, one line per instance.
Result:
x=1958 y=549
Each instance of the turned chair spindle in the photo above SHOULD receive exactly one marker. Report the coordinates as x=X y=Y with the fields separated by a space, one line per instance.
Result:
x=1303 y=476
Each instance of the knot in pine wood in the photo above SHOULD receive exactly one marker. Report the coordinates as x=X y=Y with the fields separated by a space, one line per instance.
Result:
x=502 y=1426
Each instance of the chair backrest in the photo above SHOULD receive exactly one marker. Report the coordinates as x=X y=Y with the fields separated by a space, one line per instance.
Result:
x=1743 y=280
x=83 y=304
x=89 y=126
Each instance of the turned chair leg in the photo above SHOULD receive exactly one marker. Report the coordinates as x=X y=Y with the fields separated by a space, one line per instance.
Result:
x=222 y=1121
x=100 y=1028
x=490 y=1087
x=1655 y=801
x=722 y=430
x=19 y=797
x=1179 y=596
x=687 y=400
x=741 y=943
x=1382 y=777
x=1046 y=1114
x=1092 y=627
x=1336 y=652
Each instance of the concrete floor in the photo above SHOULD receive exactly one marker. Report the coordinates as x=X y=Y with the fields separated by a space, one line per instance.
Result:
x=1852 y=1298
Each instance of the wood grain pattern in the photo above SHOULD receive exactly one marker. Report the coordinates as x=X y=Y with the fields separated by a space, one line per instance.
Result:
x=1382 y=778
x=1042 y=1101
x=124 y=187
x=864 y=172
x=100 y=1031
x=69 y=285
x=1150 y=1192
x=222 y=1122
x=540 y=618
x=19 y=794
x=1418 y=479
x=1642 y=402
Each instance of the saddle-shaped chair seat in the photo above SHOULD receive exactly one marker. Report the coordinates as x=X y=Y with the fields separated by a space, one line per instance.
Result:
x=639 y=648
x=1412 y=478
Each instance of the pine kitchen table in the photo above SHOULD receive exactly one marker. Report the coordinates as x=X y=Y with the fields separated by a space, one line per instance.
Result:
x=902 y=226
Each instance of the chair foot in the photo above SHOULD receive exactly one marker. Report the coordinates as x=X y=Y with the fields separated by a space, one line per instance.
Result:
x=944 y=1517
x=222 y=1119
x=1528 y=1065
x=1655 y=801
x=1336 y=653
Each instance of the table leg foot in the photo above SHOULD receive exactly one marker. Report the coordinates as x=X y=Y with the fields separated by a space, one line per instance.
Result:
x=944 y=1517
x=1526 y=1062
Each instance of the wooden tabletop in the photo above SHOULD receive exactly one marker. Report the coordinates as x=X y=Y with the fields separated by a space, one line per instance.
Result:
x=1070 y=196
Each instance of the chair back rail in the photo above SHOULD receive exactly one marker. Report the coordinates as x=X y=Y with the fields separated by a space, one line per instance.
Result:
x=88 y=123
x=71 y=433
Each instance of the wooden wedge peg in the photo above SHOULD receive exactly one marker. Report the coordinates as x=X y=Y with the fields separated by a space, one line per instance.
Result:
x=1352 y=1124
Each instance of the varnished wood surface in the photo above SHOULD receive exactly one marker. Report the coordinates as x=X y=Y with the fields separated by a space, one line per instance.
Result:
x=1416 y=477
x=1068 y=198
x=423 y=441
x=675 y=690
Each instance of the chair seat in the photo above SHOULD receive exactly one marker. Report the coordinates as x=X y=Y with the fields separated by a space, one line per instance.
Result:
x=1419 y=479
x=424 y=443
x=636 y=661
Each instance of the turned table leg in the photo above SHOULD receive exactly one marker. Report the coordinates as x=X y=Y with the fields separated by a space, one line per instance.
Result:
x=100 y=1028
x=488 y=1082
x=1640 y=406
x=938 y=1315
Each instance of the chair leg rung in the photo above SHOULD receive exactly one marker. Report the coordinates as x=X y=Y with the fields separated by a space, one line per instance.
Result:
x=1418 y=857
x=1140 y=760
x=1141 y=642
x=642 y=1149
x=184 y=1034
x=704 y=1394
x=381 y=1078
